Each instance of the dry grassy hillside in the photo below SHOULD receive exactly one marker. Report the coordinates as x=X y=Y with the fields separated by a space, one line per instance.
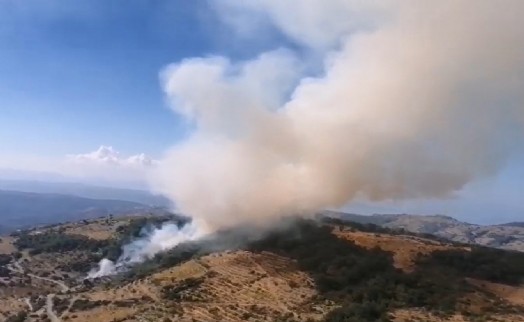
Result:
x=309 y=272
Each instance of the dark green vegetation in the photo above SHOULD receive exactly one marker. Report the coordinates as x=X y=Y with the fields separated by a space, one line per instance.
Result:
x=56 y=241
x=4 y=272
x=483 y=263
x=172 y=292
x=173 y=257
x=224 y=240
x=374 y=228
x=82 y=304
x=5 y=259
x=507 y=236
x=362 y=282
x=135 y=229
x=19 y=317
x=367 y=285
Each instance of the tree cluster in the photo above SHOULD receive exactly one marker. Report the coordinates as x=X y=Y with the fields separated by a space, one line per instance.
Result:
x=52 y=241
x=495 y=265
x=364 y=282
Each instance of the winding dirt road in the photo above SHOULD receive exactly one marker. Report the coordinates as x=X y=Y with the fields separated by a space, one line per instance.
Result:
x=64 y=287
x=49 y=308
x=17 y=268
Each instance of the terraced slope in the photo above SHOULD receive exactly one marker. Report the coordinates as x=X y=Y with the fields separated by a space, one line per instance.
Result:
x=308 y=271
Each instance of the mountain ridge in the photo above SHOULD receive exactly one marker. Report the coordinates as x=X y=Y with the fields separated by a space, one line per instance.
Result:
x=85 y=190
x=509 y=236
x=24 y=209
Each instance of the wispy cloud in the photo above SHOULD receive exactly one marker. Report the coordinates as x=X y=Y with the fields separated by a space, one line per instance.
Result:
x=105 y=166
x=107 y=156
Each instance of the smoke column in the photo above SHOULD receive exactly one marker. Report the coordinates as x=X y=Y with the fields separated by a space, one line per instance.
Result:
x=383 y=100
x=414 y=100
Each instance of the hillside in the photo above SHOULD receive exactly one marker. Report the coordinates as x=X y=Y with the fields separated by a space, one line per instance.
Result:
x=302 y=271
x=505 y=236
x=23 y=209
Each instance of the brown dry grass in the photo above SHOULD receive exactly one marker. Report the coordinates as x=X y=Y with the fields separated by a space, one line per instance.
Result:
x=94 y=230
x=100 y=229
x=411 y=315
x=235 y=285
x=405 y=248
x=406 y=315
x=9 y=306
x=103 y=313
x=6 y=245
x=512 y=294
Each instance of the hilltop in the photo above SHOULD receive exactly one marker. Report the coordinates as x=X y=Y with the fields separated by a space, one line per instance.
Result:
x=301 y=270
x=508 y=236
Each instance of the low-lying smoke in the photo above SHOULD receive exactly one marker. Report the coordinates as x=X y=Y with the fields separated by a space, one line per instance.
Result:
x=415 y=100
x=153 y=242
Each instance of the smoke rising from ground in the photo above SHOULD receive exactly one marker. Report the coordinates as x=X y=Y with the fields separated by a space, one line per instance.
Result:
x=415 y=100
x=153 y=242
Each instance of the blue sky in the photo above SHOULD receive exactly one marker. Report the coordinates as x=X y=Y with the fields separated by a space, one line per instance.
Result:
x=76 y=74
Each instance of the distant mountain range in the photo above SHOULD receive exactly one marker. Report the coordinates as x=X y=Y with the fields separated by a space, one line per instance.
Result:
x=25 y=203
x=505 y=236
x=27 y=209
x=85 y=191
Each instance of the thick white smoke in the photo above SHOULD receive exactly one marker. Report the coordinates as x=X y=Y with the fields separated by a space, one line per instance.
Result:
x=416 y=99
x=154 y=242
x=105 y=267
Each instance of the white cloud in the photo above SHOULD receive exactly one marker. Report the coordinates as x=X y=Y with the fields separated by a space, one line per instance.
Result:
x=108 y=156
x=104 y=166
x=107 y=165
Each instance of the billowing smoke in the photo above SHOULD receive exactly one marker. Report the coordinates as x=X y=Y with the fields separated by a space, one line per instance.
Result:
x=409 y=99
x=105 y=267
x=153 y=242
x=415 y=100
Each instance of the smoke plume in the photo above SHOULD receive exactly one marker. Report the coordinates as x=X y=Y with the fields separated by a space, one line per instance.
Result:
x=415 y=100
x=153 y=242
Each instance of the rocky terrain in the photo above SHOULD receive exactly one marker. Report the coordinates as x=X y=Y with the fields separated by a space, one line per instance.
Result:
x=505 y=236
x=303 y=270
